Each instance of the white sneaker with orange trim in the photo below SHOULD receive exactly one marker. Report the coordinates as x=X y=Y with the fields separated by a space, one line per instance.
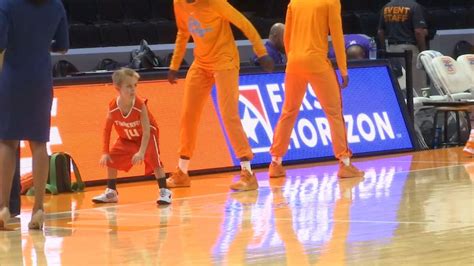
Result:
x=469 y=148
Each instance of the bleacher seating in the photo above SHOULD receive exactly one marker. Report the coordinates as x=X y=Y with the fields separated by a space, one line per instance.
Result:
x=143 y=30
x=137 y=10
x=84 y=35
x=114 y=34
x=96 y=23
x=84 y=11
x=111 y=10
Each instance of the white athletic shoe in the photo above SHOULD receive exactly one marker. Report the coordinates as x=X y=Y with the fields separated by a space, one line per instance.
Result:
x=165 y=197
x=4 y=217
x=109 y=196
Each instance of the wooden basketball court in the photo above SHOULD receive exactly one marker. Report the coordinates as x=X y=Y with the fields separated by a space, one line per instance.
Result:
x=410 y=209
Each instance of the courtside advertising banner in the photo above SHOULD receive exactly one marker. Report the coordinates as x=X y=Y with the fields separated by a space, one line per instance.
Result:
x=372 y=113
x=373 y=116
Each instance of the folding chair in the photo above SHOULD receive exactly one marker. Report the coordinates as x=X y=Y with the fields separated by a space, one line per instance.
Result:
x=457 y=86
x=466 y=64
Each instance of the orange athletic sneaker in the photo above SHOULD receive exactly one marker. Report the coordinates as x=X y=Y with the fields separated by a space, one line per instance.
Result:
x=348 y=171
x=469 y=149
x=276 y=170
x=246 y=182
x=178 y=179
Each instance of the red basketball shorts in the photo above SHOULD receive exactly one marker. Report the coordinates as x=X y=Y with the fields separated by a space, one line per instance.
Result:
x=123 y=150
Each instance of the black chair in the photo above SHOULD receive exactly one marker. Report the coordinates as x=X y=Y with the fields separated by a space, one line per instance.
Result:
x=461 y=15
x=81 y=10
x=441 y=133
x=114 y=34
x=137 y=9
x=348 y=5
x=271 y=8
x=442 y=19
x=440 y=3
x=244 y=5
x=110 y=10
x=349 y=23
x=143 y=30
x=368 y=22
x=162 y=9
x=377 y=5
x=238 y=35
x=166 y=31
x=425 y=3
x=263 y=25
x=84 y=36
x=470 y=19
x=461 y=3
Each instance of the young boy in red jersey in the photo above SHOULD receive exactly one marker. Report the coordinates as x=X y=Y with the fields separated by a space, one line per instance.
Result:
x=138 y=138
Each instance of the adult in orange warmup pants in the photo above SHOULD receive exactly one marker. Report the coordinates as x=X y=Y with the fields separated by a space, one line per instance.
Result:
x=216 y=60
x=308 y=23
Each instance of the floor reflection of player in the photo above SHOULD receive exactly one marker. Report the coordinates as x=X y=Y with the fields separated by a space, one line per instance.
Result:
x=126 y=233
x=295 y=251
x=237 y=252
x=333 y=253
x=192 y=229
x=470 y=170
x=34 y=250
x=16 y=249
x=10 y=248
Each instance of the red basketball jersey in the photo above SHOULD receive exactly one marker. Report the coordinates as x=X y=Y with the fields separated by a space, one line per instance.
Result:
x=128 y=126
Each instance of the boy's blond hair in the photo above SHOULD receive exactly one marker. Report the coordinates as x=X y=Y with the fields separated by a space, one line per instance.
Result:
x=119 y=75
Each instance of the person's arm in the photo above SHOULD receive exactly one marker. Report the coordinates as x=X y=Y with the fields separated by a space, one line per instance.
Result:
x=182 y=38
x=381 y=29
x=106 y=141
x=61 y=36
x=106 y=134
x=228 y=12
x=145 y=121
x=420 y=35
x=419 y=24
x=288 y=29
x=381 y=35
x=335 y=27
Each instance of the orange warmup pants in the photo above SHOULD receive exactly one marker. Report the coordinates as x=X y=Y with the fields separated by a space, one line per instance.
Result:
x=328 y=92
x=197 y=88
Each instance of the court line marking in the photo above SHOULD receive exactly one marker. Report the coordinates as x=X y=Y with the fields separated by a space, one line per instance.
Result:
x=47 y=216
x=105 y=227
x=291 y=219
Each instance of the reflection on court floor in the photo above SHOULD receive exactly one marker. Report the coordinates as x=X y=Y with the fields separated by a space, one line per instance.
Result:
x=409 y=209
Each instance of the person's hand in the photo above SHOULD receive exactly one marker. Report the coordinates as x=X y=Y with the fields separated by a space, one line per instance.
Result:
x=104 y=160
x=138 y=158
x=345 y=82
x=172 y=76
x=266 y=63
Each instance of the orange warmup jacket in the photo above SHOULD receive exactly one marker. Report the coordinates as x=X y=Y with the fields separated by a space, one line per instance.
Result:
x=207 y=21
x=306 y=36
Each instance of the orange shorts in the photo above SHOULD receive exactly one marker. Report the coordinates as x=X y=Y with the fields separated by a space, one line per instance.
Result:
x=123 y=150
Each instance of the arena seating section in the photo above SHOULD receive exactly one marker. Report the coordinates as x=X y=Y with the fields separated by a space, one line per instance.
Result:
x=102 y=23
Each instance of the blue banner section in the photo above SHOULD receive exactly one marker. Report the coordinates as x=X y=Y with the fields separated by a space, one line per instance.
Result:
x=372 y=113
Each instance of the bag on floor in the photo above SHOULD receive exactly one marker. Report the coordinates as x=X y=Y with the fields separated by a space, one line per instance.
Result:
x=26 y=183
x=108 y=65
x=60 y=178
x=144 y=57
x=64 y=68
